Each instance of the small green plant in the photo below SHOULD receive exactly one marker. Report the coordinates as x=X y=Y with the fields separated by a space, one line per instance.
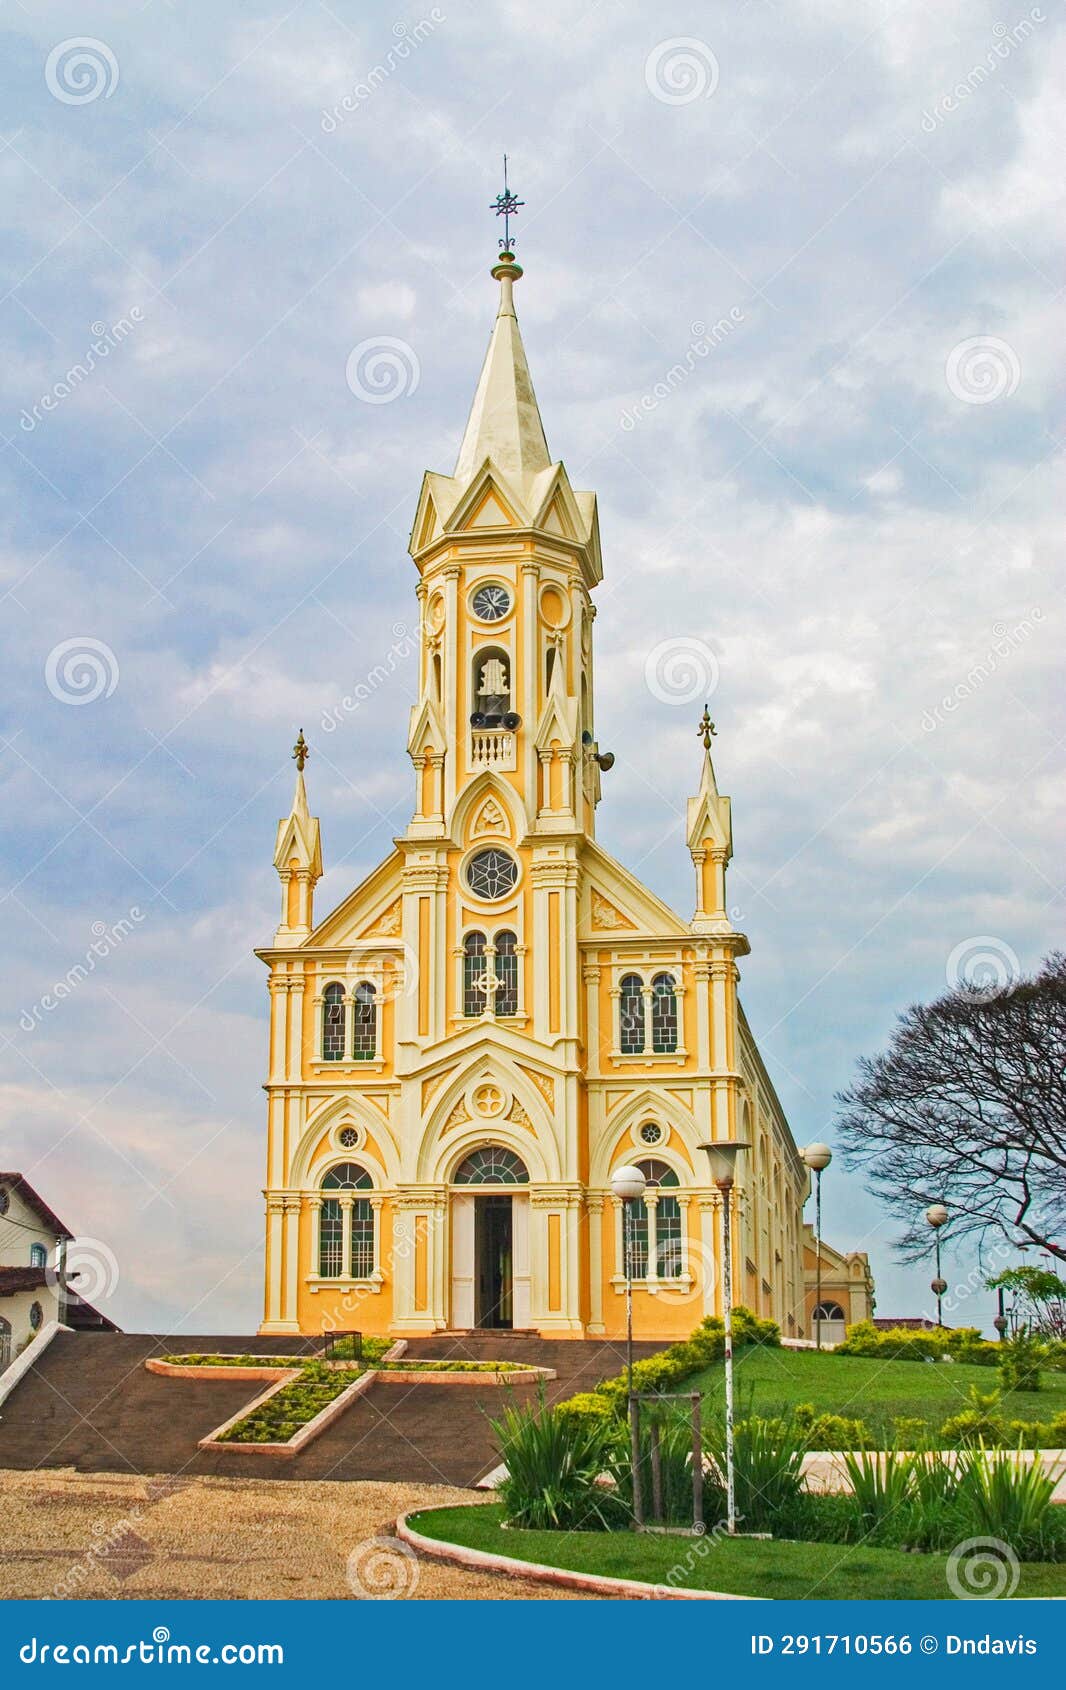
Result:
x=673 y=1431
x=882 y=1486
x=1019 y=1363
x=979 y=1423
x=768 y=1467
x=554 y=1463
x=1008 y=1497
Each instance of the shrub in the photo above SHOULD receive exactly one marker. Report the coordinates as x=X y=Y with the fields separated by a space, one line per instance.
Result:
x=1019 y=1364
x=588 y=1407
x=831 y=1431
x=669 y=1369
x=910 y=1431
x=554 y=1462
x=1008 y=1498
x=977 y=1424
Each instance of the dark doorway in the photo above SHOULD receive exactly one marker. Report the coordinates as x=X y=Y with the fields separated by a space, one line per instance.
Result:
x=494 y=1255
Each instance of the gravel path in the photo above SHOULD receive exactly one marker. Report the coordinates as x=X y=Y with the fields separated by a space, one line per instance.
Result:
x=110 y=1535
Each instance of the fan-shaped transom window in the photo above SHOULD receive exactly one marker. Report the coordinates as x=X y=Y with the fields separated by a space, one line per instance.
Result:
x=346 y=1249
x=663 y=1014
x=365 y=1022
x=333 y=1022
x=828 y=1311
x=631 y=1015
x=491 y=874
x=491 y=1165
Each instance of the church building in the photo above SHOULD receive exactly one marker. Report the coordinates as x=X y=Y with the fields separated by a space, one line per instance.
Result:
x=501 y=1014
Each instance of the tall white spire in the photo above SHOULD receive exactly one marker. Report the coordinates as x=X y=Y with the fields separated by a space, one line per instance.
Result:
x=504 y=420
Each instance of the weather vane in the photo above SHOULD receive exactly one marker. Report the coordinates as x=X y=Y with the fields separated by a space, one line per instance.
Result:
x=706 y=730
x=301 y=751
x=506 y=205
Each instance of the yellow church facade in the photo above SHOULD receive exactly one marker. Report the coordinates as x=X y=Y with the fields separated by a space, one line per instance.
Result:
x=501 y=1014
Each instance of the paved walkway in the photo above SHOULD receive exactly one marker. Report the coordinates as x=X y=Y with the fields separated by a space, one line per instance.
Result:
x=91 y=1405
x=110 y=1536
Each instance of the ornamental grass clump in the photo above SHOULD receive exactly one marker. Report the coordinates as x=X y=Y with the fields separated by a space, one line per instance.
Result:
x=667 y=1501
x=1010 y=1498
x=768 y=1469
x=554 y=1465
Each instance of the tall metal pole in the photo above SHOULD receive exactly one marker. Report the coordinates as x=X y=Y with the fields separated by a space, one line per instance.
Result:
x=818 y=1258
x=634 y=1406
x=726 y=1189
x=940 y=1281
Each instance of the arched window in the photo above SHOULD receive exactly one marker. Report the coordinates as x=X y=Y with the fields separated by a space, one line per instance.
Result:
x=474 y=1001
x=828 y=1311
x=365 y=1030
x=38 y=1256
x=333 y=1023
x=631 y=1015
x=492 y=1165
x=491 y=686
x=668 y=1248
x=663 y=1014
x=506 y=971
x=333 y=1247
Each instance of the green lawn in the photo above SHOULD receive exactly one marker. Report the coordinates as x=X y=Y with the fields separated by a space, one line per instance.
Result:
x=771 y=1380
x=742 y=1567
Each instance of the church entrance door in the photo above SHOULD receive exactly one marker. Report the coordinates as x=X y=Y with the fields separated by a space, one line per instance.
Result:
x=494 y=1262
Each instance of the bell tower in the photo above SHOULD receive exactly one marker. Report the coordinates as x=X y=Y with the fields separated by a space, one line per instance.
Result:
x=508 y=554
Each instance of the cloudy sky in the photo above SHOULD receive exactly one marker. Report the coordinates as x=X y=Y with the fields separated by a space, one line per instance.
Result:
x=834 y=224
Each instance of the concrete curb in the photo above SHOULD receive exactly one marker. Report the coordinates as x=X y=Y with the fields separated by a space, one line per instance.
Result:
x=596 y=1584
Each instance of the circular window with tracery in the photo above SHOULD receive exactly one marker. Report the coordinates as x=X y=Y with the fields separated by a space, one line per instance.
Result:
x=348 y=1137
x=491 y=874
x=651 y=1133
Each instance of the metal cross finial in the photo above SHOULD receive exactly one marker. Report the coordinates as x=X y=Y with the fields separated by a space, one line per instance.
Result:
x=506 y=205
x=706 y=730
x=301 y=751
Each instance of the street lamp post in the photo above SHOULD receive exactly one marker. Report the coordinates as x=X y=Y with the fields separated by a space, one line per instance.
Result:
x=817 y=1158
x=723 y=1159
x=1000 y=1322
x=936 y=1215
x=628 y=1184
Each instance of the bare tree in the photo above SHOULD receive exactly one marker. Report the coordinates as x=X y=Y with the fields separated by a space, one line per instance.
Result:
x=967 y=1107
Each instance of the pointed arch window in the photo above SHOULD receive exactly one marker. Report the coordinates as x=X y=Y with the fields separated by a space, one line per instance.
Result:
x=474 y=1000
x=365 y=1022
x=663 y=1014
x=631 y=1015
x=506 y=971
x=657 y=1246
x=333 y=1023
x=346 y=1248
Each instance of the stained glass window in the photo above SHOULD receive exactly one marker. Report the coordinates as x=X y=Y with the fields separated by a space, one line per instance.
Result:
x=491 y=874
x=492 y=1165
x=474 y=974
x=365 y=1030
x=631 y=1015
x=333 y=1023
x=663 y=1014
x=506 y=971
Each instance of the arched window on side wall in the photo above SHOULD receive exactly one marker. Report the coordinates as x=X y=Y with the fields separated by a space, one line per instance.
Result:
x=669 y=1249
x=663 y=1014
x=358 y=1248
x=365 y=1029
x=506 y=971
x=38 y=1256
x=631 y=1015
x=474 y=1001
x=333 y=1023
